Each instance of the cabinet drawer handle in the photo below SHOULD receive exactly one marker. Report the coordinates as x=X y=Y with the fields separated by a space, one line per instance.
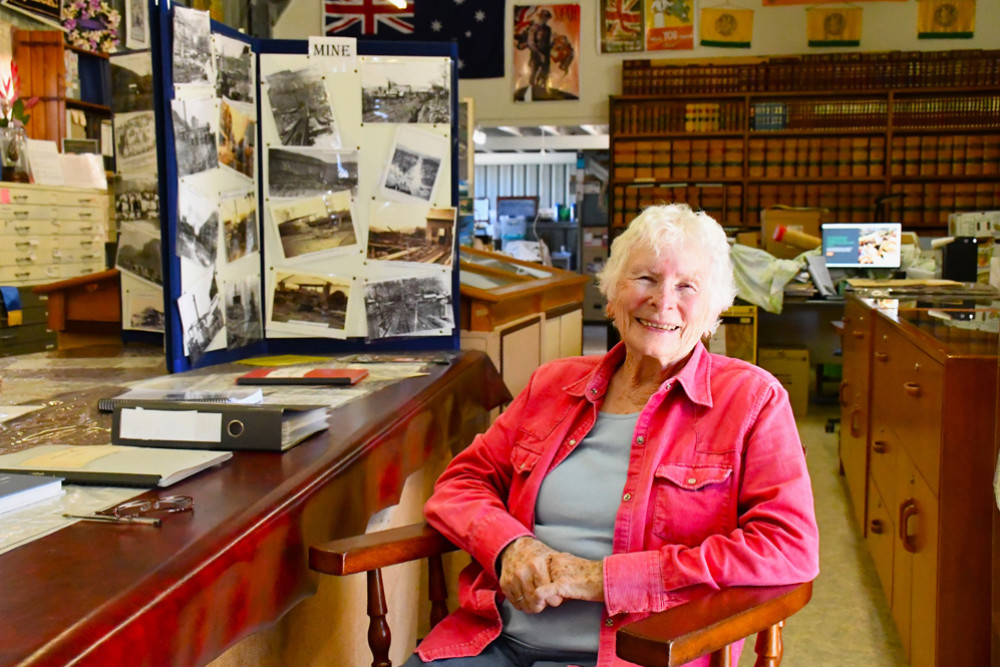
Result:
x=858 y=334
x=19 y=197
x=881 y=356
x=855 y=428
x=843 y=392
x=20 y=229
x=876 y=527
x=912 y=388
x=879 y=447
x=907 y=510
x=8 y=337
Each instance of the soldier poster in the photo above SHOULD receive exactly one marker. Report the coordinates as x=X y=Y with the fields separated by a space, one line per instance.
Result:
x=546 y=44
x=622 y=26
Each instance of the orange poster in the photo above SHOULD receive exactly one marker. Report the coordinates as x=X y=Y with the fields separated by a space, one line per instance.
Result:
x=546 y=44
x=669 y=25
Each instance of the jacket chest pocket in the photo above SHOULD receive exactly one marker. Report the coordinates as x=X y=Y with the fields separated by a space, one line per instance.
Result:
x=691 y=502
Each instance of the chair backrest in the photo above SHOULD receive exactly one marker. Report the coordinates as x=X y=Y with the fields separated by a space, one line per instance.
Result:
x=705 y=626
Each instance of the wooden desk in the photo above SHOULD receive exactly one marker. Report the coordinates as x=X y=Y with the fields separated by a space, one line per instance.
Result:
x=85 y=310
x=106 y=594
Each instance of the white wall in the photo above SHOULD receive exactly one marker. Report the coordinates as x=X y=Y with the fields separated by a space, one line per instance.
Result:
x=887 y=26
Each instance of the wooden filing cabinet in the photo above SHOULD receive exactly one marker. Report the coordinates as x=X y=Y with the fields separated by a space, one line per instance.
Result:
x=856 y=346
x=51 y=233
x=33 y=333
x=932 y=404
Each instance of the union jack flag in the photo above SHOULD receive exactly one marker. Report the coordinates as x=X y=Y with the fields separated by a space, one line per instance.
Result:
x=364 y=17
x=622 y=17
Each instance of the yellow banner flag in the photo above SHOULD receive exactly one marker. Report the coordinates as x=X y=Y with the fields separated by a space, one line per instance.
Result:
x=726 y=27
x=946 y=19
x=839 y=26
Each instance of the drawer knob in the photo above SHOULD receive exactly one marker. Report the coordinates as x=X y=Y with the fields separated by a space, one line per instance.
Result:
x=881 y=356
x=907 y=510
x=855 y=426
x=876 y=527
x=879 y=447
x=858 y=334
x=912 y=388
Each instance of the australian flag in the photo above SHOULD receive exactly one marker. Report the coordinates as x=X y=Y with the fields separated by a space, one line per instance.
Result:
x=476 y=25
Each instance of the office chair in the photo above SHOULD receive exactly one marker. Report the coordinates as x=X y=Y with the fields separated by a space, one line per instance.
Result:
x=704 y=626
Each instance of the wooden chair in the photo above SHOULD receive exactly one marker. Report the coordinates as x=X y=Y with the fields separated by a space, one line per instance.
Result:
x=707 y=625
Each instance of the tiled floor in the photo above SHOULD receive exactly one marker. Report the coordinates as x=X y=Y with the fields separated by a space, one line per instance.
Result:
x=847 y=623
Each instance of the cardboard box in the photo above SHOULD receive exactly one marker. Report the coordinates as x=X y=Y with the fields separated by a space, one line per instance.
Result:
x=736 y=336
x=807 y=220
x=791 y=366
x=751 y=239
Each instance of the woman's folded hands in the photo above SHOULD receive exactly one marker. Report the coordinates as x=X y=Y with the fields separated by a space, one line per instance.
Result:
x=534 y=576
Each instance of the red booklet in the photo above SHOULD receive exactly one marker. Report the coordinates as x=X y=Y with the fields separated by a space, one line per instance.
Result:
x=303 y=375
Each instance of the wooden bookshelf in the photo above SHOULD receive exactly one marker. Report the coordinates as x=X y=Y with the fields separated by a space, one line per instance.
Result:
x=826 y=131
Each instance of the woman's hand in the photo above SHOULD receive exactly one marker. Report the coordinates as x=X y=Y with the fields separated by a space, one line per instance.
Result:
x=524 y=570
x=574 y=578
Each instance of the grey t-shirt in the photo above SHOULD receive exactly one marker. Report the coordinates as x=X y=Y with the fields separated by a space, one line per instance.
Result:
x=575 y=512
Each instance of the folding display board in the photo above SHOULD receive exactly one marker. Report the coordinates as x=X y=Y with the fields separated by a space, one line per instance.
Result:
x=308 y=194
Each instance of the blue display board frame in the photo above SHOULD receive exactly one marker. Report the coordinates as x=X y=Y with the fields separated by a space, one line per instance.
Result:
x=162 y=54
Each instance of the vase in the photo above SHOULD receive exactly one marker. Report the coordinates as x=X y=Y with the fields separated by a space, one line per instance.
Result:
x=14 y=154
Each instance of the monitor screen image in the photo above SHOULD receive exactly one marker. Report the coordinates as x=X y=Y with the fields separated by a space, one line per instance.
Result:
x=481 y=209
x=862 y=245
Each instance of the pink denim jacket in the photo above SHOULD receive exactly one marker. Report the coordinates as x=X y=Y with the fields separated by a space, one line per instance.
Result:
x=717 y=493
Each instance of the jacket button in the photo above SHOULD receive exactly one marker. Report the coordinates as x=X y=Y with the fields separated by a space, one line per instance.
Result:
x=593 y=391
x=610 y=623
x=692 y=480
x=627 y=497
x=572 y=441
x=640 y=440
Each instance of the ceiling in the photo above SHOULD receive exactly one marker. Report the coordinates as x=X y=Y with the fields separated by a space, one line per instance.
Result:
x=540 y=138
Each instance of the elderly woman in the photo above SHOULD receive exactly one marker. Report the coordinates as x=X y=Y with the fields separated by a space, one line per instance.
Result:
x=618 y=486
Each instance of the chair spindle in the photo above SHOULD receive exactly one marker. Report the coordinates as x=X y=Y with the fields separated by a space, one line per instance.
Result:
x=437 y=589
x=769 y=646
x=379 y=636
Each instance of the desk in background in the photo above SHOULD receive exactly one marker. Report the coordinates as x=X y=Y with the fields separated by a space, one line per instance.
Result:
x=108 y=594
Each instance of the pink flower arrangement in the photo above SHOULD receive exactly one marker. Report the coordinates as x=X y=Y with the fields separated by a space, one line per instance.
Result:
x=13 y=107
x=92 y=25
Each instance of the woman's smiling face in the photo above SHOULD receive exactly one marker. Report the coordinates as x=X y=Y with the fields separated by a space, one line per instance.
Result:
x=661 y=306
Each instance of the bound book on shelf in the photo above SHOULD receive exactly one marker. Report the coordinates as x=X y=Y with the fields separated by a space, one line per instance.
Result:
x=18 y=490
x=216 y=426
x=111 y=464
x=303 y=375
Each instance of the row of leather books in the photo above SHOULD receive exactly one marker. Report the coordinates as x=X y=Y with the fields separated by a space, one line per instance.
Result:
x=678 y=159
x=971 y=111
x=945 y=155
x=690 y=117
x=819 y=114
x=929 y=204
x=723 y=202
x=834 y=71
x=847 y=202
x=815 y=157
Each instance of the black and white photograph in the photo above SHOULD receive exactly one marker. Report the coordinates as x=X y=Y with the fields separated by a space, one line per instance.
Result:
x=301 y=109
x=200 y=309
x=312 y=299
x=137 y=198
x=139 y=250
x=144 y=310
x=239 y=224
x=416 y=160
x=197 y=226
x=400 y=232
x=314 y=225
x=234 y=69
x=136 y=25
x=237 y=136
x=195 y=124
x=135 y=142
x=131 y=82
x=193 y=62
x=405 y=90
x=242 y=308
x=410 y=306
x=304 y=172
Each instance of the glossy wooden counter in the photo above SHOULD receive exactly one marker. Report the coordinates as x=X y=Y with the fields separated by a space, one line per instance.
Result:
x=107 y=594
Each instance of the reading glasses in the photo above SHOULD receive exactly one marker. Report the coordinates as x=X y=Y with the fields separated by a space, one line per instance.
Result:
x=145 y=510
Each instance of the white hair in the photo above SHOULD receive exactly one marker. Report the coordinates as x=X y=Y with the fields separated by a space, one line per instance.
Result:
x=676 y=227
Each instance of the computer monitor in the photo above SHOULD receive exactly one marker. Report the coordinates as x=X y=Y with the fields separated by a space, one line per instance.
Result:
x=862 y=245
x=481 y=209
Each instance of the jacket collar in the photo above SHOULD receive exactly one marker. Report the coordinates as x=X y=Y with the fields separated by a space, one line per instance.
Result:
x=694 y=378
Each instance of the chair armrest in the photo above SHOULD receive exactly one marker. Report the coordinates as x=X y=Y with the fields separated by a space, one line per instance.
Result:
x=681 y=634
x=371 y=551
